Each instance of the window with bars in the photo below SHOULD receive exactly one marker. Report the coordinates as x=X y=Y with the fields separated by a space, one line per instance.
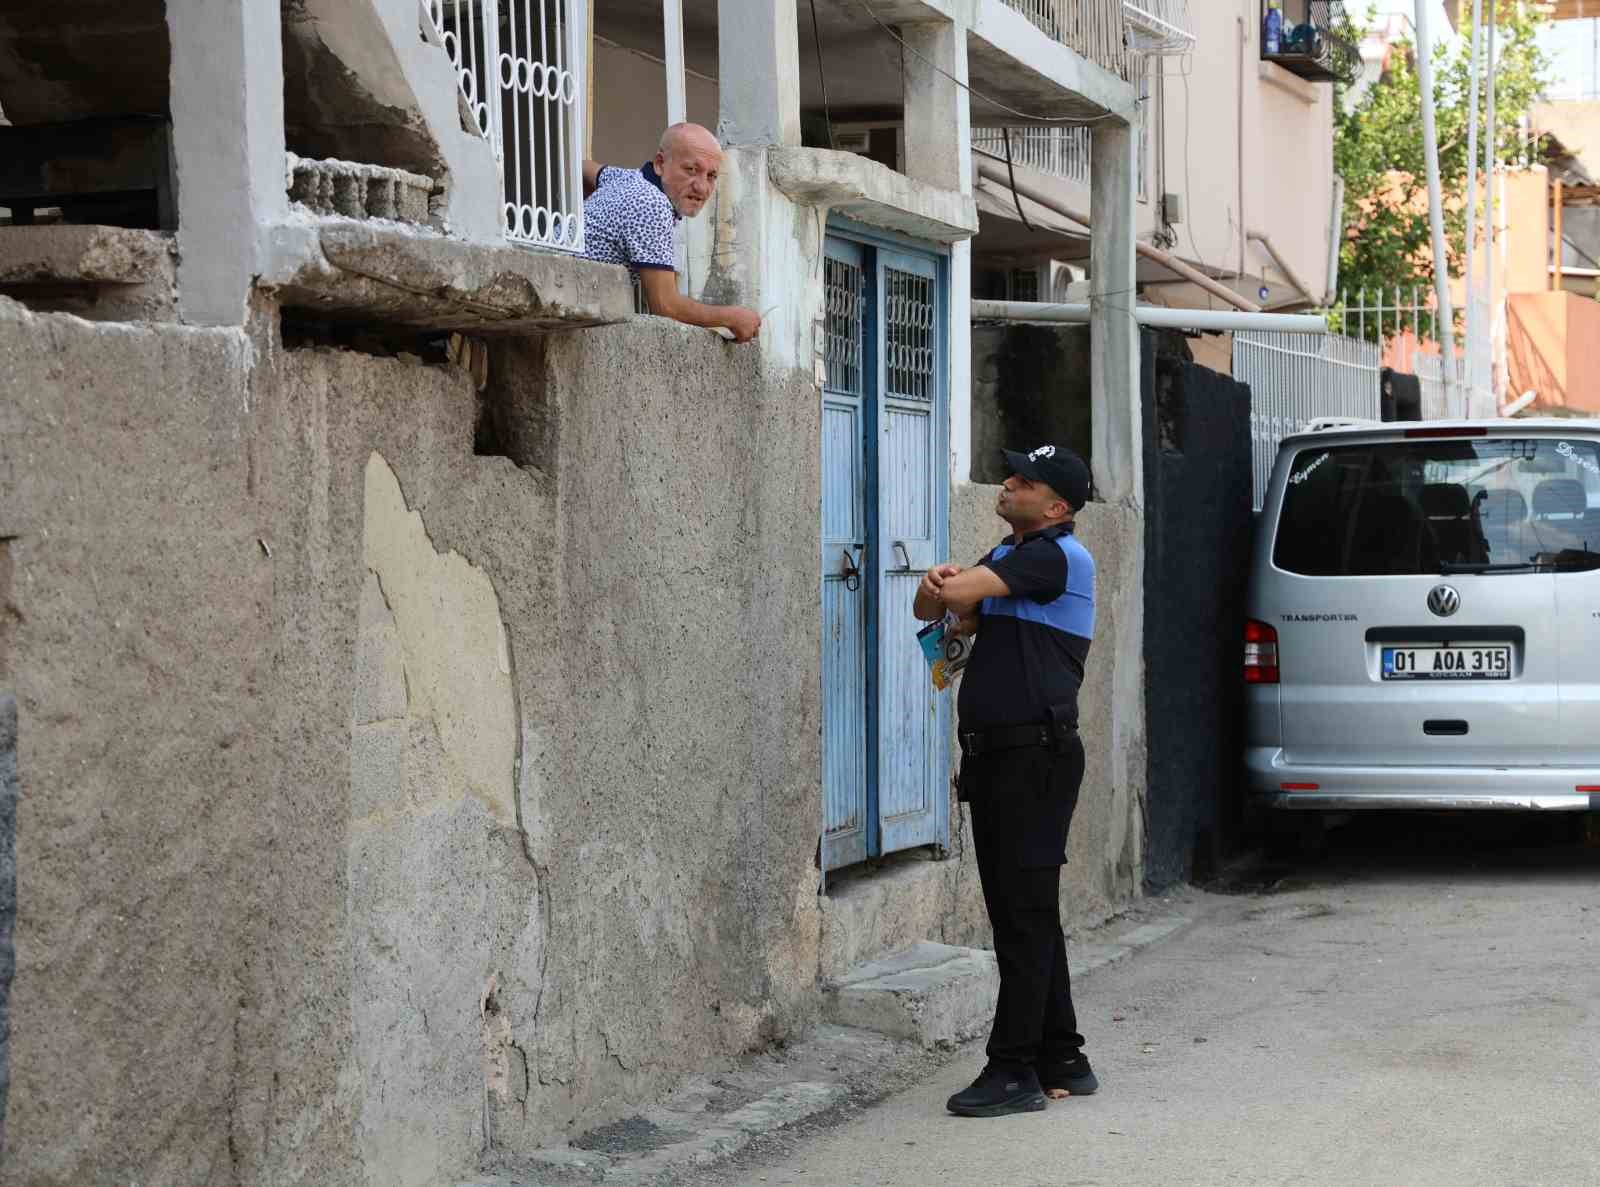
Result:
x=910 y=352
x=843 y=295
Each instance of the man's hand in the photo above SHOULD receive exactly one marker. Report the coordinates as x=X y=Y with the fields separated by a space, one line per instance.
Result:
x=661 y=293
x=928 y=605
x=933 y=580
x=966 y=624
x=745 y=323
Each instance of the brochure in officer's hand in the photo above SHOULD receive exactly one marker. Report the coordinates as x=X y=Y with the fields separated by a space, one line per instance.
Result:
x=945 y=651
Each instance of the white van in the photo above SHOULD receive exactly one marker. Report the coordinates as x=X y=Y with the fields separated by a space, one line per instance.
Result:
x=1424 y=619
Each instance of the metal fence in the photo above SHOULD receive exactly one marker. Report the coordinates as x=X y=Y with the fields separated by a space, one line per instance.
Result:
x=1094 y=28
x=1404 y=321
x=519 y=68
x=1297 y=378
x=1438 y=401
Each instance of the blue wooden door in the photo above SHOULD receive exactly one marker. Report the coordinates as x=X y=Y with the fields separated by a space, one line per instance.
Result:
x=847 y=831
x=912 y=723
x=884 y=521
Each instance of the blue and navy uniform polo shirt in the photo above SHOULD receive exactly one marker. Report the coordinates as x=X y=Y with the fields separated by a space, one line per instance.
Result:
x=1031 y=646
x=630 y=220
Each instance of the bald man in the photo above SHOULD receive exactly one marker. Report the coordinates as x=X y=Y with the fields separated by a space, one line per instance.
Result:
x=631 y=217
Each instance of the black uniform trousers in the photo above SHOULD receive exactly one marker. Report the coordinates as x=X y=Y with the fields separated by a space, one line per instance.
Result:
x=1021 y=803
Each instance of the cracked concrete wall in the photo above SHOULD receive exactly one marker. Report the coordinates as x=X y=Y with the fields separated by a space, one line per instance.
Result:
x=384 y=804
x=201 y=921
x=671 y=792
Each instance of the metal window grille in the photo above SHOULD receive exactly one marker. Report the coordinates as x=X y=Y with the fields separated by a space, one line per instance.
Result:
x=909 y=348
x=843 y=296
x=1296 y=378
x=518 y=65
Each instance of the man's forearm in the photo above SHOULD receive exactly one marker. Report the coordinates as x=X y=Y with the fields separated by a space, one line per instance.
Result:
x=695 y=313
x=962 y=593
x=926 y=608
x=591 y=176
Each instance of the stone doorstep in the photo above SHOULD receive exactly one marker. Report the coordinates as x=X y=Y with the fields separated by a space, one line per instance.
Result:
x=939 y=995
x=935 y=994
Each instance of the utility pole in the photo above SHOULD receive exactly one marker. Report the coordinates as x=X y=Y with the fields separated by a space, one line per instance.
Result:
x=1491 y=214
x=1473 y=329
x=1446 y=332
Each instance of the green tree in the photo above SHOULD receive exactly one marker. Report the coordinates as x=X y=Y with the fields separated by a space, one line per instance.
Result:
x=1377 y=149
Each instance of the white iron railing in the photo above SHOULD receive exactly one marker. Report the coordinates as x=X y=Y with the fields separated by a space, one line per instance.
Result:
x=519 y=67
x=1094 y=28
x=1159 y=27
x=1059 y=151
x=1296 y=378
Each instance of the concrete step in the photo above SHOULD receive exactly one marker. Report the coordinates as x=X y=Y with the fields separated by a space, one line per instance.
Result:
x=935 y=994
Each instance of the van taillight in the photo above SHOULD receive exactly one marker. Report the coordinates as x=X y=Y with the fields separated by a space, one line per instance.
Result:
x=1260 y=653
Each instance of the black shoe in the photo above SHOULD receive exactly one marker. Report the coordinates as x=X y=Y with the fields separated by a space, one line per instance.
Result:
x=998 y=1091
x=1076 y=1078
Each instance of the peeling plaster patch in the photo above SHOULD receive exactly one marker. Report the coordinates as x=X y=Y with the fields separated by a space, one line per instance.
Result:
x=505 y=1065
x=457 y=668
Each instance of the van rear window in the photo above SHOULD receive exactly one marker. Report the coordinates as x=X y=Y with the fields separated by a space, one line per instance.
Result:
x=1448 y=505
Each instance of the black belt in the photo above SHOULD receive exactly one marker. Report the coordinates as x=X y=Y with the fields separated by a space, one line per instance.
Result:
x=1015 y=737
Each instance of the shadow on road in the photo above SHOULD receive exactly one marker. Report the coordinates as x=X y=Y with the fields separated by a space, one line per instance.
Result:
x=1426 y=846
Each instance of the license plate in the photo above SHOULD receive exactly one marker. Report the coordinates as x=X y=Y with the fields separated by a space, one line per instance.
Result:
x=1447 y=663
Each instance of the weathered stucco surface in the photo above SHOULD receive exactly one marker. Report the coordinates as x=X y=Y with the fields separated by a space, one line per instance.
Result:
x=384 y=804
x=368 y=781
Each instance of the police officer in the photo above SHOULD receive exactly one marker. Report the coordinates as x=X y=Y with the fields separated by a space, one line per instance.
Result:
x=1030 y=602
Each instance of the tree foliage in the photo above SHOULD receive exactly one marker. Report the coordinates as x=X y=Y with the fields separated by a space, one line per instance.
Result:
x=1378 y=151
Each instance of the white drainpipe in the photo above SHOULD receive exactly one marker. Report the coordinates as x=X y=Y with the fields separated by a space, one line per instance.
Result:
x=1155 y=316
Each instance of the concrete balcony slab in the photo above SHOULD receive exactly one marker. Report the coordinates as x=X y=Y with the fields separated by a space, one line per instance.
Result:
x=871 y=193
x=404 y=275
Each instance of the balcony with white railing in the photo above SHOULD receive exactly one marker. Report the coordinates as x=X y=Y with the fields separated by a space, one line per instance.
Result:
x=519 y=65
x=1095 y=29
x=1061 y=152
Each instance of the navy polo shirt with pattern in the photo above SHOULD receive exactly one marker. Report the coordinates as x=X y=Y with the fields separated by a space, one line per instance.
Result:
x=630 y=220
x=1031 y=646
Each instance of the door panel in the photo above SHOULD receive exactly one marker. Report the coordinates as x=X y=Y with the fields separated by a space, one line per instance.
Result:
x=884 y=517
x=847 y=831
x=912 y=787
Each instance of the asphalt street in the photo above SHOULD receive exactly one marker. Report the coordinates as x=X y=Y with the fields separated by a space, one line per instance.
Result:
x=1415 y=1006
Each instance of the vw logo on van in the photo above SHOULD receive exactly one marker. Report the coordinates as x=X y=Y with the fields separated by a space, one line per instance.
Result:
x=1443 y=600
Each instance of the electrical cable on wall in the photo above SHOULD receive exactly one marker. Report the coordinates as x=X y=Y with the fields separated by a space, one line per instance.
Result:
x=1016 y=198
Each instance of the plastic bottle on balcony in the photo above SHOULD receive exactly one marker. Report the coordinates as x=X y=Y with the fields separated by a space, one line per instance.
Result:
x=1272 y=35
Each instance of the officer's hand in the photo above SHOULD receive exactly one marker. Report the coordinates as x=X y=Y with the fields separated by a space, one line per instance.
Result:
x=966 y=625
x=934 y=580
